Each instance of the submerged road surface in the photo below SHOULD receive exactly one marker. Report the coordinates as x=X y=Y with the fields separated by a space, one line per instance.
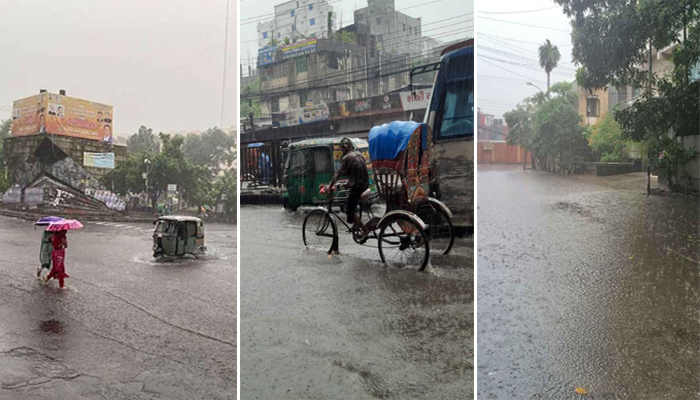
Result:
x=586 y=283
x=349 y=327
x=127 y=327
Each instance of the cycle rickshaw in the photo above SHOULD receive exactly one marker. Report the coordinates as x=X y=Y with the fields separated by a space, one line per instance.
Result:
x=413 y=222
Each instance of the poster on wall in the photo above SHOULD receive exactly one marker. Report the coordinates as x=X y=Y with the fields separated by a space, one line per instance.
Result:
x=299 y=48
x=267 y=55
x=48 y=113
x=98 y=160
x=389 y=102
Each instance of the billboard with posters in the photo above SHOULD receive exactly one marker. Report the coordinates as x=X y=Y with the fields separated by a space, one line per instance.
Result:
x=267 y=55
x=48 y=113
x=299 y=48
x=390 y=102
x=98 y=160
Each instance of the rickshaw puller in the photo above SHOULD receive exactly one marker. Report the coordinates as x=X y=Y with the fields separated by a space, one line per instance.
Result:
x=354 y=166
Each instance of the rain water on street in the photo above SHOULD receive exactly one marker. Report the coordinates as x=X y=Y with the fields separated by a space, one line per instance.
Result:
x=349 y=327
x=127 y=327
x=587 y=283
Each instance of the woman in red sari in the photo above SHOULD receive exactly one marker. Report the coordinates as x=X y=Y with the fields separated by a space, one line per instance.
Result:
x=58 y=271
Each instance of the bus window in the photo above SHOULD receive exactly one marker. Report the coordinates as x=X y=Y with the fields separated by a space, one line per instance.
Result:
x=457 y=118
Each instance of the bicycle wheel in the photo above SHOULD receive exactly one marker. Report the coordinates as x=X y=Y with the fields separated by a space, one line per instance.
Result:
x=319 y=231
x=439 y=231
x=402 y=243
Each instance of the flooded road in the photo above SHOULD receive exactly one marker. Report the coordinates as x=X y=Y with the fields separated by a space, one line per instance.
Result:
x=586 y=282
x=348 y=327
x=127 y=327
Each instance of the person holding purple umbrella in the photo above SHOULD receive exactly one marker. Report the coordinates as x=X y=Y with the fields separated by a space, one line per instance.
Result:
x=45 y=252
x=46 y=248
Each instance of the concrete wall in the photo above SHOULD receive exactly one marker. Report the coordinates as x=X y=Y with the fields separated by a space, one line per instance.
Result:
x=24 y=165
x=499 y=153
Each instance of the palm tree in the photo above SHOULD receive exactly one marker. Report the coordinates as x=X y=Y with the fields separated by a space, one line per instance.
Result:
x=549 y=57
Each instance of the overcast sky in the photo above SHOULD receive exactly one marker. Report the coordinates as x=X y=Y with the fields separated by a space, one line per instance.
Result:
x=433 y=12
x=501 y=85
x=158 y=62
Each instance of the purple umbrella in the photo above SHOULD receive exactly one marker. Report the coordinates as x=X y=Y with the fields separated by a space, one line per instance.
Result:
x=48 y=220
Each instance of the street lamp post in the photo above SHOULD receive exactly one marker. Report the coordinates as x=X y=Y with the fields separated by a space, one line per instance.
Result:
x=533 y=85
x=145 y=177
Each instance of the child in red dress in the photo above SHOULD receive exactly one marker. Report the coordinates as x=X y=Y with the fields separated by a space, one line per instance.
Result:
x=58 y=271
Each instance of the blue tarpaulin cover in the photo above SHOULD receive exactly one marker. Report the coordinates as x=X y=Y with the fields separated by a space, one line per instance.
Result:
x=388 y=140
x=254 y=145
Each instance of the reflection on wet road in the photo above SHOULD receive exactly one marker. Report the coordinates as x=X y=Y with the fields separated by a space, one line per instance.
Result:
x=584 y=284
x=348 y=327
x=127 y=327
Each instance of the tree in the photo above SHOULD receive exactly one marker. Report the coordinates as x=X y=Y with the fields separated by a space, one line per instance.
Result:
x=224 y=191
x=519 y=122
x=347 y=37
x=212 y=149
x=606 y=140
x=253 y=104
x=549 y=57
x=144 y=141
x=612 y=41
x=5 y=127
x=556 y=129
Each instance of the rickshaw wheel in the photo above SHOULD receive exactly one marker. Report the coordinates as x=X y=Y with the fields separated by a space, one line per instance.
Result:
x=440 y=231
x=319 y=231
x=403 y=243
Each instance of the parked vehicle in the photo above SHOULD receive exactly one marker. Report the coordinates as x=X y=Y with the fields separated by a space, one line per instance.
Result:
x=177 y=236
x=450 y=115
x=313 y=162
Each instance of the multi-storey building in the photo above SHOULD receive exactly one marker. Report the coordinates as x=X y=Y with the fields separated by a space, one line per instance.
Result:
x=297 y=20
x=395 y=31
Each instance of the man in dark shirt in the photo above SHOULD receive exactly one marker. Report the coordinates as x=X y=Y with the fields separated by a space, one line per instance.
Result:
x=354 y=167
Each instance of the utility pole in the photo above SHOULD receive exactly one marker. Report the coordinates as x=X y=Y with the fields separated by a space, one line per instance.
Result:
x=651 y=59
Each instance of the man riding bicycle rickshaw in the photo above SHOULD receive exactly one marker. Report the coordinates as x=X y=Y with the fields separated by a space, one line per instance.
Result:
x=354 y=166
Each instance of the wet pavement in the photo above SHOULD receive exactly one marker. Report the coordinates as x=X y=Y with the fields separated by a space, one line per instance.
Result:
x=127 y=327
x=586 y=282
x=349 y=327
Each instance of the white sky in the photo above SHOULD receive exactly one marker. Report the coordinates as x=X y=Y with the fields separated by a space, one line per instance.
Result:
x=497 y=90
x=431 y=11
x=158 y=62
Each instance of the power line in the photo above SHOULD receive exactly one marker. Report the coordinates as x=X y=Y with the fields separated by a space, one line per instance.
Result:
x=297 y=85
x=514 y=73
x=523 y=65
x=528 y=25
x=518 y=12
x=521 y=41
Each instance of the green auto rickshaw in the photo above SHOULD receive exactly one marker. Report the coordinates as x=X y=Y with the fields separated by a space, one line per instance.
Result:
x=178 y=235
x=313 y=162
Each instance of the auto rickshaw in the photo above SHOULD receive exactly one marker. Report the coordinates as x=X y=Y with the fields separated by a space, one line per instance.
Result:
x=313 y=162
x=177 y=236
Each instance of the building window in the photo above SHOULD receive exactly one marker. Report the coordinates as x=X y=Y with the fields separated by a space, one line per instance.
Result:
x=279 y=35
x=592 y=107
x=275 y=105
x=312 y=21
x=379 y=38
x=292 y=13
x=404 y=27
x=359 y=17
x=294 y=28
x=264 y=35
x=311 y=7
x=302 y=64
x=379 y=20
